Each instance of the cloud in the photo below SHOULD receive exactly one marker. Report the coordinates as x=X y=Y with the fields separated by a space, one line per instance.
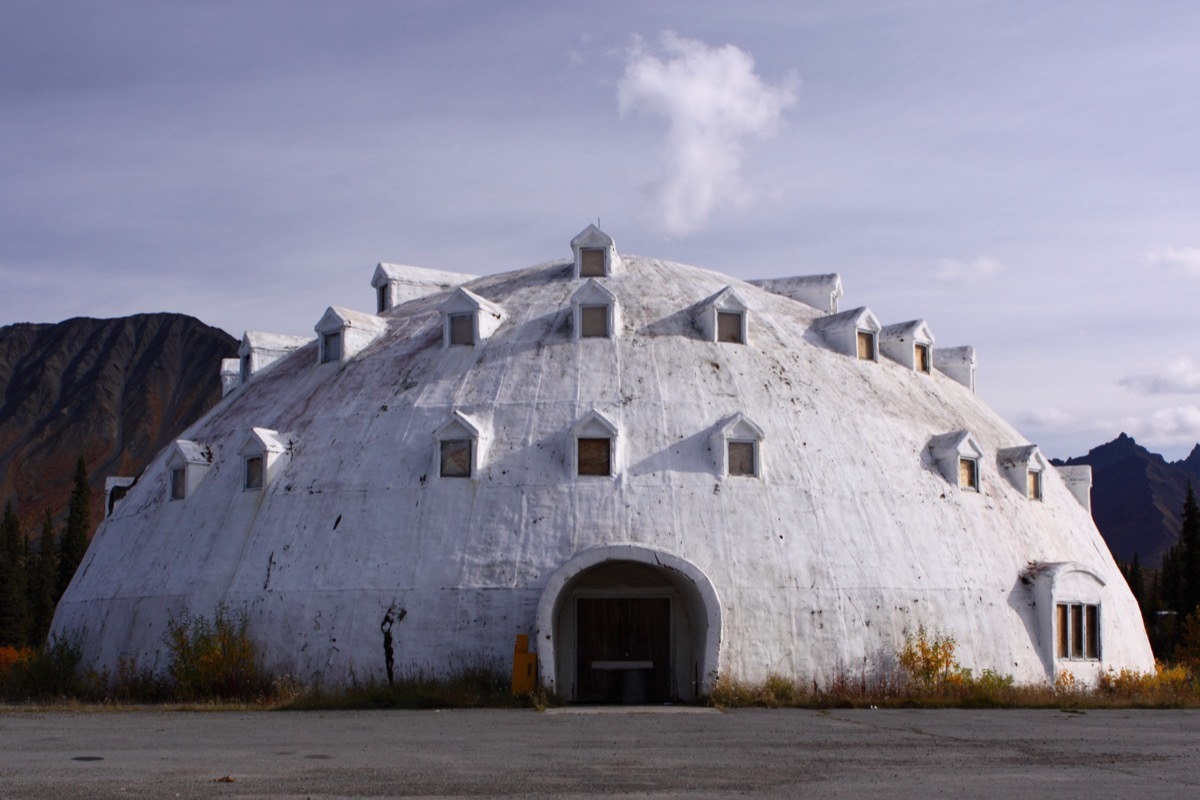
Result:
x=1178 y=376
x=1183 y=259
x=714 y=104
x=1046 y=417
x=975 y=269
x=1167 y=426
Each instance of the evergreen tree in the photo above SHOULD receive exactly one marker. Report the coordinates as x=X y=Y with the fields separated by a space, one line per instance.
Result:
x=14 y=602
x=43 y=582
x=1189 y=558
x=1136 y=580
x=73 y=544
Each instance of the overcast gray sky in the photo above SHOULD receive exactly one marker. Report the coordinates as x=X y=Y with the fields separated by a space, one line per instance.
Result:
x=1023 y=175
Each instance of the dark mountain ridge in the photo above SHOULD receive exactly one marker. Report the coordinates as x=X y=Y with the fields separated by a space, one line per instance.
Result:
x=115 y=391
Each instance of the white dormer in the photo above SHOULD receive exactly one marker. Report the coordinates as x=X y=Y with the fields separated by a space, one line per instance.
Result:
x=187 y=465
x=1078 y=478
x=231 y=374
x=956 y=363
x=264 y=453
x=115 y=489
x=468 y=319
x=958 y=457
x=595 y=254
x=398 y=283
x=343 y=334
x=594 y=313
x=908 y=343
x=724 y=318
x=736 y=445
x=259 y=350
x=822 y=292
x=853 y=333
x=594 y=446
x=459 y=447
x=1025 y=468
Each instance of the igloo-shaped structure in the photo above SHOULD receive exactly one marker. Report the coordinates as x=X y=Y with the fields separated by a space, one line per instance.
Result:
x=661 y=473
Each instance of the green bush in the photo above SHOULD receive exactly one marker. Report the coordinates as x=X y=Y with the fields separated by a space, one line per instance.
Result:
x=215 y=658
x=52 y=672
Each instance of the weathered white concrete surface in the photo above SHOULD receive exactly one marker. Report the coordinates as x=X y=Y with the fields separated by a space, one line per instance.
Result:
x=850 y=535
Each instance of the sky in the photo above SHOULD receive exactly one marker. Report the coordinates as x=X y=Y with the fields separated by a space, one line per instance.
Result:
x=1025 y=176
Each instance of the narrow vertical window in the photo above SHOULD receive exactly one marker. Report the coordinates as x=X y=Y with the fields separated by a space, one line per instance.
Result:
x=968 y=474
x=178 y=483
x=462 y=329
x=456 y=458
x=381 y=298
x=331 y=347
x=729 y=327
x=866 y=345
x=741 y=459
x=1092 y=621
x=594 y=321
x=595 y=456
x=1033 y=482
x=254 y=473
x=1062 y=628
x=591 y=263
x=244 y=367
x=1076 y=630
x=921 y=357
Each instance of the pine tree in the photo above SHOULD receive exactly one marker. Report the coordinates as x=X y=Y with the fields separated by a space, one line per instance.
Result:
x=73 y=544
x=1136 y=580
x=43 y=582
x=14 y=601
x=1189 y=558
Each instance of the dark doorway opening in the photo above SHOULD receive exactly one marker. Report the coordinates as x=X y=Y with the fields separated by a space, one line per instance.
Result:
x=623 y=649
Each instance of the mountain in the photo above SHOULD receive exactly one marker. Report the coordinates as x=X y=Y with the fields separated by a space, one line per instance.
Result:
x=1137 y=497
x=112 y=390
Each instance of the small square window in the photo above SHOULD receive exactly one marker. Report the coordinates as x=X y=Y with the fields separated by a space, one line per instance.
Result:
x=729 y=327
x=254 y=472
x=866 y=345
x=968 y=474
x=591 y=263
x=921 y=358
x=462 y=329
x=1033 y=484
x=178 y=483
x=381 y=298
x=741 y=459
x=595 y=456
x=331 y=347
x=456 y=458
x=594 y=321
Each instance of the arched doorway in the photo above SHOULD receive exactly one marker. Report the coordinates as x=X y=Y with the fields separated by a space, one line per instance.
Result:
x=626 y=624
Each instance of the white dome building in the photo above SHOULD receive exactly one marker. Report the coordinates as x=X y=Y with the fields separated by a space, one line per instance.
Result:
x=661 y=473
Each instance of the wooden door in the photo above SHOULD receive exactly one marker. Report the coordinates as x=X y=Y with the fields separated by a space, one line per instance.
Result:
x=623 y=649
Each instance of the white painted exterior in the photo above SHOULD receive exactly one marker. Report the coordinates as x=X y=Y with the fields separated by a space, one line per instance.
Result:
x=822 y=292
x=260 y=350
x=398 y=283
x=899 y=341
x=852 y=534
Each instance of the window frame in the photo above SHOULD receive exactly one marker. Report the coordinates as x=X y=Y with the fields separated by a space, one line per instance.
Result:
x=1034 y=486
x=729 y=459
x=587 y=262
x=248 y=473
x=1077 y=629
x=383 y=300
x=739 y=319
x=603 y=315
x=871 y=338
x=969 y=465
x=456 y=442
x=923 y=358
x=608 y=456
x=177 y=479
x=470 y=319
x=337 y=339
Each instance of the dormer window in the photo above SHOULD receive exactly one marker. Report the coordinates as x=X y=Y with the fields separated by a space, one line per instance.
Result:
x=398 y=283
x=594 y=446
x=908 y=343
x=853 y=333
x=260 y=350
x=459 y=445
x=244 y=367
x=263 y=452
x=722 y=317
x=956 y=363
x=1024 y=467
x=382 y=300
x=187 y=465
x=737 y=443
x=468 y=319
x=595 y=254
x=866 y=345
x=331 y=347
x=344 y=333
x=591 y=263
x=594 y=311
x=958 y=456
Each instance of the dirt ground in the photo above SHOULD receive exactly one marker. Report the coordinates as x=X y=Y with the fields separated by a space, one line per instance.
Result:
x=633 y=753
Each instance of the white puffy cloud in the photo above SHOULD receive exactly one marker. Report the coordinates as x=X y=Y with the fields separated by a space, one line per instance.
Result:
x=714 y=104
x=1166 y=426
x=960 y=271
x=1178 y=376
x=1185 y=259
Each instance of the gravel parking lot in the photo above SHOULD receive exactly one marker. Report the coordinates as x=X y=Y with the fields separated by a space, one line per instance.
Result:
x=646 y=752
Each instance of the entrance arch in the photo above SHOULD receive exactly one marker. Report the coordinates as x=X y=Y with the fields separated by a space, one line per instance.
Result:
x=638 y=607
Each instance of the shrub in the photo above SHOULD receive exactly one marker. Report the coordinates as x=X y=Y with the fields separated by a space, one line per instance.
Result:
x=928 y=664
x=51 y=672
x=215 y=658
